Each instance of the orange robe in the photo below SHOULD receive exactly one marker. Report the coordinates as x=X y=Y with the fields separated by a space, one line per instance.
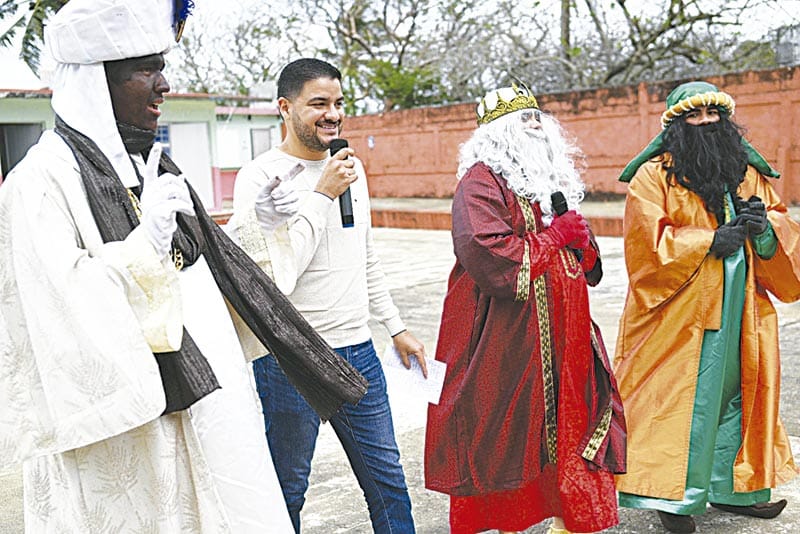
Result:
x=674 y=295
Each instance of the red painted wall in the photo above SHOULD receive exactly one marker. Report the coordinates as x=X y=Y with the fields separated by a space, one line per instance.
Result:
x=227 y=177
x=415 y=151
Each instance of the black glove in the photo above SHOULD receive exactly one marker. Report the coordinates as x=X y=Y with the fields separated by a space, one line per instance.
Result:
x=754 y=214
x=728 y=238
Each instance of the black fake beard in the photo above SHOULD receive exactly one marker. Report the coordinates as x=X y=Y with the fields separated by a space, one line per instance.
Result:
x=708 y=160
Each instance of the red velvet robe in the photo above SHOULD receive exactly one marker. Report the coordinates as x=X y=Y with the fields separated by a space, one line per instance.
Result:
x=530 y=423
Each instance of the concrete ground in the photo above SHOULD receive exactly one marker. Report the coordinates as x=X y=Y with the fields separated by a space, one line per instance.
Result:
x=417 y=263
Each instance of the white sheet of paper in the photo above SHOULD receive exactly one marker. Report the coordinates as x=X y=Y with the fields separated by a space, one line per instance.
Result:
x=430 y=389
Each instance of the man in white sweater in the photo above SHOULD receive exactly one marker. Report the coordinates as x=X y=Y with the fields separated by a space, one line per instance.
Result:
x=292 y=227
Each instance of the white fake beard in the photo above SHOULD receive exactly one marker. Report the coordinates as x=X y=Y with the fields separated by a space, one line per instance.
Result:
x=534 y=163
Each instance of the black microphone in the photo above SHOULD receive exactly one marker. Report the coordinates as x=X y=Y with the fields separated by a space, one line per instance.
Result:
x=559 y=203
x=345 y=201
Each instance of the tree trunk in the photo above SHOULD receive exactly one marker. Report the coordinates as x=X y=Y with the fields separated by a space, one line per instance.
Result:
x=565 y=37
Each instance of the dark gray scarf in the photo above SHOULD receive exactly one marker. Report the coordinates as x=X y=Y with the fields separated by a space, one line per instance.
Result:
x=318 y=373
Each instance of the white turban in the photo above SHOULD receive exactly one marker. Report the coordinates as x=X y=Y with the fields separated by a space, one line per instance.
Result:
x=83 y=35
x=94 y=31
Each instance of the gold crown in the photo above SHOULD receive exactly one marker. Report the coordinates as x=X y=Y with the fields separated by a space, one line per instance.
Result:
x=504 y=100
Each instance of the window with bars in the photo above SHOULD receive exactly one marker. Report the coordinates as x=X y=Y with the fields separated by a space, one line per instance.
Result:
x=162 y=136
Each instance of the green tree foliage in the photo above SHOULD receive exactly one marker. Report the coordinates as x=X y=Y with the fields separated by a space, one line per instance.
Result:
x=469 y=45
x=682 y=38
x=28 y=17
x=376 y=45
x=403 y=87
x=405 y=53
x=232 y=55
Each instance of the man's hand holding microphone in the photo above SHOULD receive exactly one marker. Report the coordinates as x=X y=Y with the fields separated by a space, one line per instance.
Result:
x=569 y=228
x=336 y=178
x=278 y=201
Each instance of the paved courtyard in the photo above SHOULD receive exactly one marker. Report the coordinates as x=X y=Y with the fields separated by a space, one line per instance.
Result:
x=417 y=263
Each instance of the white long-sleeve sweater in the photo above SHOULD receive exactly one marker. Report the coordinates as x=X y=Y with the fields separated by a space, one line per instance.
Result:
x=331 y=274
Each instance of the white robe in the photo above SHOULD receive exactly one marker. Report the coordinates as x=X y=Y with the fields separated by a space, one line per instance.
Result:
x=80 y=392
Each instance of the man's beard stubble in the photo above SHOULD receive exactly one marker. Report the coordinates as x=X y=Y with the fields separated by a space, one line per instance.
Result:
x=308 y=135
x=708 y=160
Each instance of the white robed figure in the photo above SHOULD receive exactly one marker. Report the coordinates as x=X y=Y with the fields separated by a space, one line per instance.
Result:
x=82 y=397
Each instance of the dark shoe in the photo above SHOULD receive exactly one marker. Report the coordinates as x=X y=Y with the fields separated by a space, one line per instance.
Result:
x=683 y=524
x=764 y=510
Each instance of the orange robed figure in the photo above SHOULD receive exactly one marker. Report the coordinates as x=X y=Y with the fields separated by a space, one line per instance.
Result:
x=706 y=240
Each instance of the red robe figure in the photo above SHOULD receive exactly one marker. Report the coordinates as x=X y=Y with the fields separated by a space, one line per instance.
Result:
x=530 y=423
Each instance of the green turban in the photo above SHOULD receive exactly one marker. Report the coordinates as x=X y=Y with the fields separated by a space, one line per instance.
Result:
x=683 y=98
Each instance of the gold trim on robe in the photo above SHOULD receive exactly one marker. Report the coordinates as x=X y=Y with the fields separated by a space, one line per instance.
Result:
x=543 y=312
x=524 y=275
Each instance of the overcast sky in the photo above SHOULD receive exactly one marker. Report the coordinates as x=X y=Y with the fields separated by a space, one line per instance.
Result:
x=14 y=74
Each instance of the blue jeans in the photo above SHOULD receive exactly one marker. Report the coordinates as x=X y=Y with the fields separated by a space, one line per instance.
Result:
x=365 y=431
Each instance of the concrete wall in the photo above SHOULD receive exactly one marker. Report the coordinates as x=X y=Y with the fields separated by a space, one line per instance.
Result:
x=27 y=111
x=235 y=139
x=20 y=108
x=236 y=144
x=413 y=152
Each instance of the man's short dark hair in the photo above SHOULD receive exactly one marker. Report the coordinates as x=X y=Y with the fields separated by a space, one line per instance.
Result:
x=295 y=75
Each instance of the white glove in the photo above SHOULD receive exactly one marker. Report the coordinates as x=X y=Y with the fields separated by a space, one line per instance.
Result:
x=277 y=201
x=162 y=198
